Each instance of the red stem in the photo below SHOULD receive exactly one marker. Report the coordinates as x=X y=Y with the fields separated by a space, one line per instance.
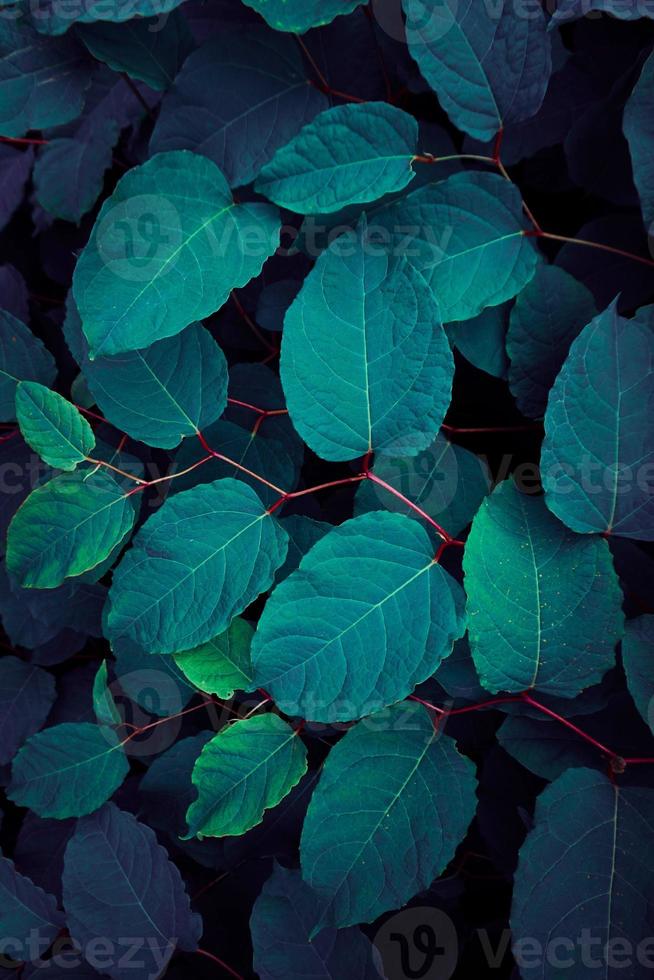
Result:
x=466 y=430
x=221 y=963
x=400 y=496
x=22 y=141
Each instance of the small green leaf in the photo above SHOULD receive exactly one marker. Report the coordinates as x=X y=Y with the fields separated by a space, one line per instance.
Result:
x=247 y=768
x=67 y=527
x=298 y=16
x=52 y=426
x=365 y=845
x=350 y=154
x=526 y=631
x=68 y=770
x=104 y=705
x=22 y=358
x=222 y=665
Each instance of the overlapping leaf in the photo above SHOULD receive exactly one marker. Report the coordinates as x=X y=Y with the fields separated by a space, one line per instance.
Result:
x=52 y=426
x=300 y=15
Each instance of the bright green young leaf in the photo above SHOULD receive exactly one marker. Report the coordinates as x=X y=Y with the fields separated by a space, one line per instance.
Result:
x=52 y=426
x=488 y=64
x=104 y=705
x=246 y=769
x=168 y=246
x=328 y=652
x=162 y=393
x=22 y=357
x=597 y=460
x=350 y=154
x=638 y=663
x=222 y=665
x=547 y=316
x=68 y=770
x=365 y=846
x=25 y=909
x=585 y=868
x=200 y=560
x=638 y=126
x=281 y=923
x=365 y=363
x=544 y=605
x=466 y=236
x=67 y=527
x=27 y=694
x=298 y=16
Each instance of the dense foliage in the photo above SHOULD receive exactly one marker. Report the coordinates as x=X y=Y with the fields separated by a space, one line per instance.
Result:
x=327 y=489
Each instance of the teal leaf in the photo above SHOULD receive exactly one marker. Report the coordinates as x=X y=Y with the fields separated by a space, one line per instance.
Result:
x=466 y=235
x=350 y=154
x=363 y=855
x=25 y=910
x=637 y=647
x=303 y=532
x=158 y=395
x=67 y=527
x=444 y=480
x=568 y=10
x=166 y=789
x=482 y=339
x=598 y=452
x=281 y=923
x=585 y=869
x=237 y=99
x=249 y=767
x=298 y=16
x=365 y=364
x=26 y=695
x=42 y=81
x=22 y=358
x=489 y=66
x=119 y=882
x=143 y=48
x=328 y=653
x=547 y=315
x=54 y=19
x=15 y=169
x=638 y=127
x=155 y=683
x=104 y=706
x=526 y=631
x=222 y=665
x=168 y=246
x=68 y=770
x=52 y=426
x=199 y=561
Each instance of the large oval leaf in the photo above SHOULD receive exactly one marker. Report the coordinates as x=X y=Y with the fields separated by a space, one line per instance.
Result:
x=598 y=455
x=585 y=869
x=365 y=855
x=526 y=631
x=348 y=155
x=203 y=557
x=365 y=363
x=167 y=247
x=331 y=653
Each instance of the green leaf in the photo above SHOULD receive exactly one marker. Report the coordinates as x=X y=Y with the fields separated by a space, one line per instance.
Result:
x=489 y=66
x=482 y=340
x=222 y=665
x=547 y=316
x=104 y=706
x=52 y=426
x=466 y=235
x=383 y=382
x=526 y=631
x=350 y=154
x=68 y=770
x=365 y=848
x=281 y=923
x=168 y=246
x=445 y=480
x=23 y=357
x=54 y=19
x=249 y=767
x=598 y=453
x=330 y=653
x=199 y=561
x=638 y=126
x=25 y=909
x=27 y=694
x=585 y=869
x=298 y=16
x=67 y=527
x=638 y=664
x=162 y=393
